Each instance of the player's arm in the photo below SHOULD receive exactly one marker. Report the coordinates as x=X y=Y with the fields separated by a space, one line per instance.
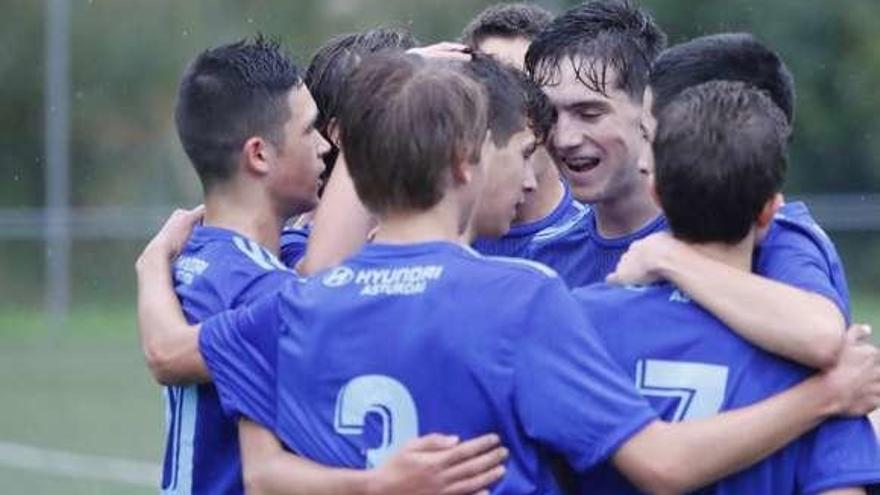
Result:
x=802 y=326
x=170 y=345
x=845 y=491
x=433 y=464
x=680 y=457
x=341 y=224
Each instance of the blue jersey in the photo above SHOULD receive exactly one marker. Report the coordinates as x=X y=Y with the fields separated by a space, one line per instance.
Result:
x=518 y=242
x=293 y=245
x=796 y=251
x=690 y=366
x=569 y=242
x=217 y=270
x=407 y=340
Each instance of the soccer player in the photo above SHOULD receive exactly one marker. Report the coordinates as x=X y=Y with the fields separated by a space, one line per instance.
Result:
x=801 y=320
x=594 y=64
x=418 y=333
x=247 y=124
x=325 y=77
x=505 y=31
x=720 y=162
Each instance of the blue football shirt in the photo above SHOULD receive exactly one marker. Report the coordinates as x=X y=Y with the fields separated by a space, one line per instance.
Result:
x=293 y=245
x=796 y=251
x=217 y=270
x=690 y=366
x=406 y=340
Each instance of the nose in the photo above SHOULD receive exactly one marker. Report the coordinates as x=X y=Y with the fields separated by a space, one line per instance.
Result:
x=565 y=136
x=322 y=146
x=530 y=182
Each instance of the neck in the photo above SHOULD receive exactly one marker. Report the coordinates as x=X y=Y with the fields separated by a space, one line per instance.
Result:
x=439 y=223
x=543 y=200
x=625 y=215
x=248 y=213
x=738 y=256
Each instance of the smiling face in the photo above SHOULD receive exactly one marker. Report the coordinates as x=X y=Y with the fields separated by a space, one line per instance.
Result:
x=295 y=178
x=597 y=140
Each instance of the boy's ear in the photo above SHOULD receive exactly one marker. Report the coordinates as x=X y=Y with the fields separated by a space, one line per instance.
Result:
x=462 y=171
x=333 y=132
x=255 y=154
x=769 y=211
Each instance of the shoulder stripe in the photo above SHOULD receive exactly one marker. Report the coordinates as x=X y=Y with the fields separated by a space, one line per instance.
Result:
x=559 y=230
x=257 y=254
x=534 y=265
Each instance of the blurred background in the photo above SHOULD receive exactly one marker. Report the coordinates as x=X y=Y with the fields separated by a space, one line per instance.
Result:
x=90 y=165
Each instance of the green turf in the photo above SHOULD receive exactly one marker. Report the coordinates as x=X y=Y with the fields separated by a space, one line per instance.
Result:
x=84 y=389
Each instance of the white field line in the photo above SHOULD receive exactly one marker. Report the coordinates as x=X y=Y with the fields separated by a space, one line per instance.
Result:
x=79 y=466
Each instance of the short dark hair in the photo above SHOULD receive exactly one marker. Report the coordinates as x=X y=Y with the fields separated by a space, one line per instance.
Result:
x=542 y=113
x=405 y=120
x=229 y=94
x=728 y=57
x=596 y=36
x=506 y=20
x=719 y=158
x=507 y=98
x=332 y=65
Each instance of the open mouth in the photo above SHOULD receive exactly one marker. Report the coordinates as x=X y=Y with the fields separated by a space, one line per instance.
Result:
x=582 y=164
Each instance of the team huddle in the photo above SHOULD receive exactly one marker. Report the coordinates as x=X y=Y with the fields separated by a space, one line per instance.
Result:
x=552 y=258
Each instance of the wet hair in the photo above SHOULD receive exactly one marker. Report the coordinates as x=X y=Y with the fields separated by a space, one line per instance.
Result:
x=506 y=20
x=229 y=94
x=331 y=67
x=597 y=36
x=729 y=57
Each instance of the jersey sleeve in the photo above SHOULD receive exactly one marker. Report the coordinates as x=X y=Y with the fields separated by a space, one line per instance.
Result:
x=293 y=246
x=569 y=394
x=840 y=453
x=240 y=350
x=793 y=258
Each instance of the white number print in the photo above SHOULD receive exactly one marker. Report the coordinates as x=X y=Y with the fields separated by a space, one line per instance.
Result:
x=386 y=397
x=699 y=387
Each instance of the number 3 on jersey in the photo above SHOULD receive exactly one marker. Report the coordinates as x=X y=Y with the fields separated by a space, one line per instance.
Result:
x=699 y=387
x=386 y=397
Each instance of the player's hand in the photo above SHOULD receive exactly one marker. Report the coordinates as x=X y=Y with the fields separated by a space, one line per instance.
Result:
x=855 y=379
x=641 y=263
x=171 y=238
x=445 y=50
x=441 y=465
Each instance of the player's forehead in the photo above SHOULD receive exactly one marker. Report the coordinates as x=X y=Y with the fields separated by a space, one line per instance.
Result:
x=510 y=50
x=572 y=85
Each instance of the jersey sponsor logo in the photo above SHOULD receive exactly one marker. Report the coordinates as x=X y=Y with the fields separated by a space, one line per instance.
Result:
x=402 y=281
x=187 y=268
x=338 y=277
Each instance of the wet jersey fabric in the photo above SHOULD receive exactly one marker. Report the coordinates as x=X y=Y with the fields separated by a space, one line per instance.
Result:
x=406 y=340
x=217 y=270
x=689 y=365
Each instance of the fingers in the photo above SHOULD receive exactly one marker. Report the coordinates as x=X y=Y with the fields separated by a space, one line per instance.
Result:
x=475 y=483
x=858 y=333
x=476 y=466
x=470 y=449
x=613 y=278
x=432 y=442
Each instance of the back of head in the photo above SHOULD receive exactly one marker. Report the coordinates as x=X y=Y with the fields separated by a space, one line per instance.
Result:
x=507 y=99
x=506 y=20
x=729 y=57
x=332 y=65
x=404 y=122
x=596 y=36
x=719 y=157
x=228 y=95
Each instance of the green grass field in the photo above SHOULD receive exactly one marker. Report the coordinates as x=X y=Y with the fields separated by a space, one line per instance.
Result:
x=85 y=390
